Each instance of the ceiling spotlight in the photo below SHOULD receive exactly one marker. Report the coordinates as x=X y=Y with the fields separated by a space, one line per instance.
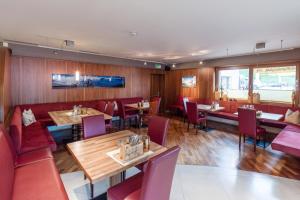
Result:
x=173 y=65
x=201 y=62
x=145 y=63
x=133 y=33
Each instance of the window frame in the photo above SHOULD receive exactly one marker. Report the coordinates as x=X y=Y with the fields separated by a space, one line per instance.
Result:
x=263 y=65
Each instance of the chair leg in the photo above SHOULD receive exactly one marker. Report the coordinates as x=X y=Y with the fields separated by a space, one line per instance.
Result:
x=264 y=138
x=120 y=123
x=240 y=140
x=188 y=128
x=244 y=138
x=196 y=128
x=254 y=144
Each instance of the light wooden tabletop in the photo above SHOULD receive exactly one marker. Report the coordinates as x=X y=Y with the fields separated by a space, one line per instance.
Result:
x=65 y=117
x=204 y=107
x=91 y=155
x=270 y=116
x=145 y=106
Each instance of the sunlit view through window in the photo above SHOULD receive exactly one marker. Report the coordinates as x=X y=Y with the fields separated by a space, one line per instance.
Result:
x=234 y=82
x=275 y=83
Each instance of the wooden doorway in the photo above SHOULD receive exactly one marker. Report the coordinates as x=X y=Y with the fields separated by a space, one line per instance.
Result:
x=158 y=88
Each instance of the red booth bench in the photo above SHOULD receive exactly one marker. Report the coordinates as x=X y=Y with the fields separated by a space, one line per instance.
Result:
x=28 y=176
x=36 y=135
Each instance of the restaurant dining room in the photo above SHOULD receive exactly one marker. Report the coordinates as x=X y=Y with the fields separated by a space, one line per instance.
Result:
x=149 y=100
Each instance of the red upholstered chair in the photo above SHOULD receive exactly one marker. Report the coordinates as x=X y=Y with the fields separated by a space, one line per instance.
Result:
x=248 y=126
x=102 y=106
x=124 y=116
x=157 y=131
x=110 y=108
x=93 y=126
x=193 y=116
x=178 y=106
x=154 y=184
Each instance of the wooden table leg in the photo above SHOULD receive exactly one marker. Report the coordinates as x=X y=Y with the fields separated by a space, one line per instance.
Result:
x=116 y=179
x=92 y=190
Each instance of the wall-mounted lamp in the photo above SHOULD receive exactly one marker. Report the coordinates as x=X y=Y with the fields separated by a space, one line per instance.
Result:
x=173 y=65
x=201 y=62
x=77 y=76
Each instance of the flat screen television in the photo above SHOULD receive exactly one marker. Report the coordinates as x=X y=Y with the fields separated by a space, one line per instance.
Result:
x=189 y=81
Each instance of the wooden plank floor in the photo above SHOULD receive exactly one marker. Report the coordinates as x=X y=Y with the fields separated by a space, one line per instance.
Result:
x=213 y=148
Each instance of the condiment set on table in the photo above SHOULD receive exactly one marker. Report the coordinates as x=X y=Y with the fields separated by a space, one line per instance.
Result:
x=258 y=113
x=79 y=110
x=134 y=146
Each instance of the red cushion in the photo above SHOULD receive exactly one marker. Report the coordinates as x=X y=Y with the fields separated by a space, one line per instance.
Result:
x=33 y=156
x=125 y=189
x=288 y=142
x=35 y=137
x=6 y=168
x=38 y=181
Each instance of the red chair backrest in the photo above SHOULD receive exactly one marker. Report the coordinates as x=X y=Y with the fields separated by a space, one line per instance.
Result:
x=247 y=121
x=102 y=106
x=179 y=100
x=110 y=108
x=158 y=177
x=192 y=112
x=121 y=109
x=6 y=167
x=158 y=129
x=93 y=126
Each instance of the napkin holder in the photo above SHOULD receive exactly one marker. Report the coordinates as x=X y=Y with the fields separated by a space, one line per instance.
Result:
x=129 y=151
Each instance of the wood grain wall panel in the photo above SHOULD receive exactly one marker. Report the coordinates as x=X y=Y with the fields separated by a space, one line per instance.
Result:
x=54 y=67
x=202 y=90
x=5 y=84
x=32 y=90
x=75 y=94
x=94 y=93
x=32 y=81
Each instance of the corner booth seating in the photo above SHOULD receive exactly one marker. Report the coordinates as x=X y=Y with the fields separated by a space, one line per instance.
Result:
x=36 y=135
x=287 y=140
x=28 y=176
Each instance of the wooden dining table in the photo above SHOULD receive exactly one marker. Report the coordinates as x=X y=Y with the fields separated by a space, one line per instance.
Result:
x=268 y=116
x=92 y=156
x=67 y=118
x=206 y=108
x=141 y=109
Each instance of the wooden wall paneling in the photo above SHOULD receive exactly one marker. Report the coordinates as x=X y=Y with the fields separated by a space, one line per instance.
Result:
x=97 y=92
x=33 y=80
x=16 y=80
x=5 y=84
x=54 y=67
x=75 y=94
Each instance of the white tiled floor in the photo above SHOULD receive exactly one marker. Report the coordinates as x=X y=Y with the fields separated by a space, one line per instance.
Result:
x=205 y=183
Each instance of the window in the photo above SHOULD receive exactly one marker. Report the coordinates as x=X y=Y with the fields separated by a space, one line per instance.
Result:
x=234 y=82
x=275 y=83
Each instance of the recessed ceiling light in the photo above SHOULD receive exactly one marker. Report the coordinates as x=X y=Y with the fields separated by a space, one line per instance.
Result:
x=199 y=53
x=173 y=65
x=145 y=63
x=201 y=62
x=172 y=57
x=133 y=33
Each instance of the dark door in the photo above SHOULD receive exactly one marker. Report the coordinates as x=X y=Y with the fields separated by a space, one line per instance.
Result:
x=158 y=88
